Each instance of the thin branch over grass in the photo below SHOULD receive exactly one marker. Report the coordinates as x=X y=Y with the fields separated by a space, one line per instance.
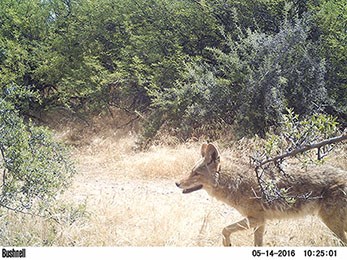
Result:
x=307 y=147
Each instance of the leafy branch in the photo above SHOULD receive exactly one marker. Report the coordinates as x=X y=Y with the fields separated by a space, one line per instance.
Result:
x=35 y=168
x=305 y=148
x=296 y=139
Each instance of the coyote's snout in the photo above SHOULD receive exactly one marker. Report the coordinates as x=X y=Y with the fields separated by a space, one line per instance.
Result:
x=239 y=188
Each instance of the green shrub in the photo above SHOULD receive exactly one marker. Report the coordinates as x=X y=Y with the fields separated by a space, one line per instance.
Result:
x=34 y=167
x=251 y=85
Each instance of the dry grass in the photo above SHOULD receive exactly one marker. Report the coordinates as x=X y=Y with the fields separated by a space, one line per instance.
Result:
x=122 y=197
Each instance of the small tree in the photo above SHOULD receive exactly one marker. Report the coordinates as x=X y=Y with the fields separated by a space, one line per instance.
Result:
x=34 y=166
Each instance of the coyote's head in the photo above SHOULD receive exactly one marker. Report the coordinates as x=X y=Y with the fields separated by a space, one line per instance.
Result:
x=204 y=172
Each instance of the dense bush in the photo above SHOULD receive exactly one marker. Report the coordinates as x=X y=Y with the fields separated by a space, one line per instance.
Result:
x=34 y=167
x=179 y=63
x=252 y=83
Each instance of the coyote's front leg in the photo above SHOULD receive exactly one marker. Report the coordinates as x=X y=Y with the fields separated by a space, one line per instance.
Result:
x=246 y=223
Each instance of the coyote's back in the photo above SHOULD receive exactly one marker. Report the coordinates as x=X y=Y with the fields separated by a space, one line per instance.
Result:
x=321 y=191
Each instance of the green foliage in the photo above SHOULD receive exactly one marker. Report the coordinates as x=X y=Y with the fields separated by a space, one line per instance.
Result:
x=76 y=52
x=234 y=16
x=295 y=133
x=302 y=138
x=331 y=18
x=34 y=167
x=23 y=26
x=252 y=84
x=198 y=62
x=22 y=98
x=309 y=130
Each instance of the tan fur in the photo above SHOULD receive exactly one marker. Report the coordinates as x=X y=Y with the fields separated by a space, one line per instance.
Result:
x=325 y=187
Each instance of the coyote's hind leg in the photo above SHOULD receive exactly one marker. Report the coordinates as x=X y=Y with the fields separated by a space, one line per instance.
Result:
x=258 y=235
x=244 y=224
x=337 y=229
x=334 y=219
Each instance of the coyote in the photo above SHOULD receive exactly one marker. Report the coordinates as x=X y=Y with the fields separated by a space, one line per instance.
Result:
x=238 y=187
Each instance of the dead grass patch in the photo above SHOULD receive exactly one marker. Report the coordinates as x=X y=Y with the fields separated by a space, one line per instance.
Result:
x=129 y=198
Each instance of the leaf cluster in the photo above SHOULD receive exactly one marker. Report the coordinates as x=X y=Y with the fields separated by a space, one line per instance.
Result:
x=34 y=167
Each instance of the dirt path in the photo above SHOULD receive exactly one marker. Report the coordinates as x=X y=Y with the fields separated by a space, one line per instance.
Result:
x=132 y=212
x=132 y=200
x=137 y=212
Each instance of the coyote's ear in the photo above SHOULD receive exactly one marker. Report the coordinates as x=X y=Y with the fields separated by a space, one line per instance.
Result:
x=203 y=150
x=212 y=152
